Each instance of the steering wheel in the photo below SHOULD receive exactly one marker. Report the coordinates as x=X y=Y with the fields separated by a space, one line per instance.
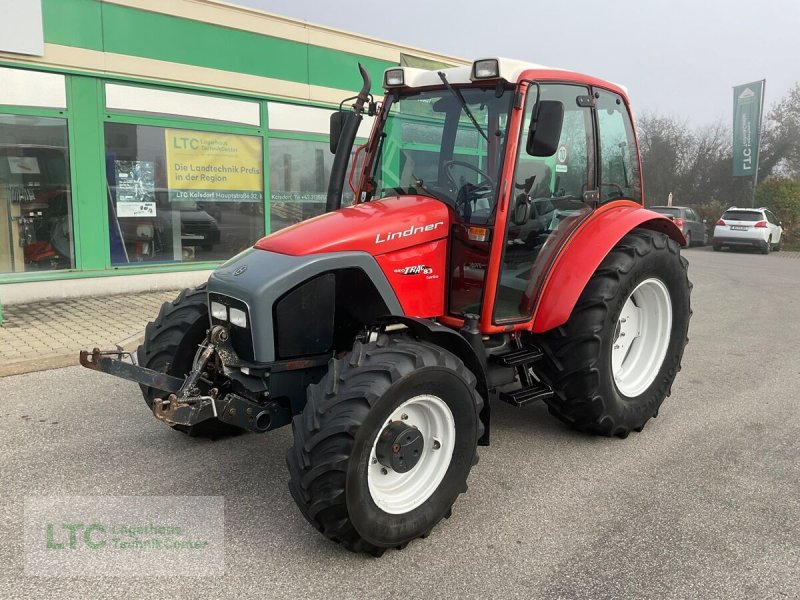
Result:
x=448 y=169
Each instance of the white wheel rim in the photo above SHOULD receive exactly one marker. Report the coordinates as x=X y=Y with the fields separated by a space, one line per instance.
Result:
x=641 y=337
x=398 y=493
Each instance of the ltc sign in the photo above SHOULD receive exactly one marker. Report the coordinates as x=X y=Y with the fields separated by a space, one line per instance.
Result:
x=747 y=101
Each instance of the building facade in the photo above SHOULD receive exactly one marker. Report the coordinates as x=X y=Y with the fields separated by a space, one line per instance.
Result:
x=143 y=137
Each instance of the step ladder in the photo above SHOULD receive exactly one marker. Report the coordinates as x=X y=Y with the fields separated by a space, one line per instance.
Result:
x=521 y=359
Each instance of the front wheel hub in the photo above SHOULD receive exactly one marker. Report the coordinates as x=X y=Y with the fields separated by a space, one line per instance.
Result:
x=399 y=447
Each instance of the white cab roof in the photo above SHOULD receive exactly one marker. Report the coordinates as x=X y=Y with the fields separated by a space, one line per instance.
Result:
x=510 y=70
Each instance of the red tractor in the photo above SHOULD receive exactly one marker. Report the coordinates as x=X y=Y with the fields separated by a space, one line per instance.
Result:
x=497 y=249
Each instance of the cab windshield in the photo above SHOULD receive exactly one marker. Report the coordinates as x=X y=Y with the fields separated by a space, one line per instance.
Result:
x=447 y=144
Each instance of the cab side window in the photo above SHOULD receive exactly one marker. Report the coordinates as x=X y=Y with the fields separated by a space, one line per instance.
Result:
x=619 y=164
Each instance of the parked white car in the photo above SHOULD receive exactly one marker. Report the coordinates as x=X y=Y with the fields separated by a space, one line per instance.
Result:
x=748 y=227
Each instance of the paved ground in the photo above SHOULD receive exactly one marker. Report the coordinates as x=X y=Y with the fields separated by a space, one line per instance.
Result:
x=52 y=333
x=703 y=504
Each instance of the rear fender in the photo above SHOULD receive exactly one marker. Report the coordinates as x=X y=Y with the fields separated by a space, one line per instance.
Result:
x=583 y=253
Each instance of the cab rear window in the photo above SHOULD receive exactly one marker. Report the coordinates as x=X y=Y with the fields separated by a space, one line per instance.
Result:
x=742 y=215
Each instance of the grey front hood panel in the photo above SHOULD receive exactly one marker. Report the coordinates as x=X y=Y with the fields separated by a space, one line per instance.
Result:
x=260 y=277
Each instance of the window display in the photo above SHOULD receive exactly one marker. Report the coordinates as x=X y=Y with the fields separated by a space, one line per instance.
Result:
x=182 y=195
x=298 y=174
x=35 y=205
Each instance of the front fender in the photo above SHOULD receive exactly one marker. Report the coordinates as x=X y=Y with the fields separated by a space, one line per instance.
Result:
x=454 y=342
x=583 y=253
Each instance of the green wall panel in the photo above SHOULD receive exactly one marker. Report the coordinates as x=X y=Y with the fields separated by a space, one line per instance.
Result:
x=75 y=23
x=163 y=37
x=88 y=185
x=123 y=30
x=331 y=68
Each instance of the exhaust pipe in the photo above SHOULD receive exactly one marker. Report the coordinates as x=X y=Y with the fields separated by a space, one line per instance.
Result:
x=345 y=145
x=262 y=422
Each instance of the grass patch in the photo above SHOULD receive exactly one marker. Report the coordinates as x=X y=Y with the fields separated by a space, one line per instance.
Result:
x=790 y=246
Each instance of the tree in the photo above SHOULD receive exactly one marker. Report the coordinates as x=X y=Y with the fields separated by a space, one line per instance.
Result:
x=780 y=142
x=695 y=165
x=782 y=196
x=662 y=142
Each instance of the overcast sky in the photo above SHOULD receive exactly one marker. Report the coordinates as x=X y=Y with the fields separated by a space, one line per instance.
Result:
x=677 y=57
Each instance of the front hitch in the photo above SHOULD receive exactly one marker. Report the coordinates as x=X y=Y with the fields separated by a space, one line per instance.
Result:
x=187 y=411
x=231 y=408
x=187 y=404
x=113 y=362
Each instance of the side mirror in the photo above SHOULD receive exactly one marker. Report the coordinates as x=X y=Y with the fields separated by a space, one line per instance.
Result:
x=338 y=119
x=705 y=221
x=545 y=130
x=522 y=210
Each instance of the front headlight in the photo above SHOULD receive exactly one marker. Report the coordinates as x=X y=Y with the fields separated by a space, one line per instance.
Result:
x=219 y=311
x=238 y=317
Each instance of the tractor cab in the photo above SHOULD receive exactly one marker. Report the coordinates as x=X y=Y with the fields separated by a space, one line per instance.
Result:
x=514 y=150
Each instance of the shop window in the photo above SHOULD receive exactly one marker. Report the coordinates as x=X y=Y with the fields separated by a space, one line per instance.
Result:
x=19 y=87
x=308 y=119
x=177 y=195
x=298 y=181
x=127 y=98
x=35 y=207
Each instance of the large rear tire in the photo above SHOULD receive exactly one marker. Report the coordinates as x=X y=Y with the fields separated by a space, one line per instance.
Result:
x=381 y=391
x=170 y=345
x=613 y=363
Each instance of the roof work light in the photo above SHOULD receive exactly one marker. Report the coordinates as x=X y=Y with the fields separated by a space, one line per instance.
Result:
x=393 y=78
x=487 y=68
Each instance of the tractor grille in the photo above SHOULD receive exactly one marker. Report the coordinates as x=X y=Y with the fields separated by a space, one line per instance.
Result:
x=304 y=318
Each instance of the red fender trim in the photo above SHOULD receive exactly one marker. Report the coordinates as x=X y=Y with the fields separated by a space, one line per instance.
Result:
x=583 y=253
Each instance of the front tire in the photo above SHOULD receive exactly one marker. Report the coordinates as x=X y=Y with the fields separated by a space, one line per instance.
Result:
x=613 y=363
x=340 y=477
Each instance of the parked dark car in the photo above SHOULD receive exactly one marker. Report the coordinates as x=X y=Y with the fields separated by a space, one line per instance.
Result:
x=692 y=225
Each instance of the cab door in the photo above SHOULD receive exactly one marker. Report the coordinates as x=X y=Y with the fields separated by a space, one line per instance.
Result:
x=551 y=195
